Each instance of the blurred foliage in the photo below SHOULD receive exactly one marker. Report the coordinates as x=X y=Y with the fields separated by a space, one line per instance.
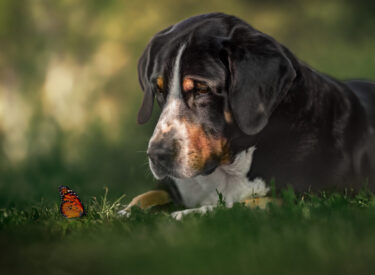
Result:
x=69 y=92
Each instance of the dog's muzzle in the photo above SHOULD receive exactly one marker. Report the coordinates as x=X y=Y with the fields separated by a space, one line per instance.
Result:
x=163 y=158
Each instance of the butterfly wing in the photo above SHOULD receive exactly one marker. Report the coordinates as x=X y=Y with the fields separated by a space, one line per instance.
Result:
x=63 y=190
x=71 y=206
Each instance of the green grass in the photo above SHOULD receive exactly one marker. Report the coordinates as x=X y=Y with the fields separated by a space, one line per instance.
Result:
x=326 y=234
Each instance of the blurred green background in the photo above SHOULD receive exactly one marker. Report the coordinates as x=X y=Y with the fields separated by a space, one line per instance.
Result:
x=69 y=93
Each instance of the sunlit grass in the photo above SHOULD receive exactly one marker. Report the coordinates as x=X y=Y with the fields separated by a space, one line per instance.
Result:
x=104 y=208
x=308 y=234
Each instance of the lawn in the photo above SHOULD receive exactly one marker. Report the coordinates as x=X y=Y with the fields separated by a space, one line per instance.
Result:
x=309 y=234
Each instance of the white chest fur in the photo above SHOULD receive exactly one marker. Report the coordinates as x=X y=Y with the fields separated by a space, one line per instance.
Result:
x=230 y=180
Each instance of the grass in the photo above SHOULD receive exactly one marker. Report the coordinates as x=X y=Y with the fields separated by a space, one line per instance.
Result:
x=309 y=234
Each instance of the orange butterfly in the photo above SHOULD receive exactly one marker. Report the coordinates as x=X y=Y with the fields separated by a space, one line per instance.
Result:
x=71 y=206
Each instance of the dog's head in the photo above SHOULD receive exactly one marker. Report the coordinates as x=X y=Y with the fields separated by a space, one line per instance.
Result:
x=211 y=74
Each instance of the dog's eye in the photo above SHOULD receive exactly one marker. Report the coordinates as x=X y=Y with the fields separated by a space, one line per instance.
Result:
x=201 y=88
x=161 y=91
x=191 y=85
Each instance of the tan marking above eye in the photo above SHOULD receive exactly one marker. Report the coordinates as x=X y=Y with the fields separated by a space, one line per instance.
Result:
x=228 y=117
x=160 y=83
x=188 y=84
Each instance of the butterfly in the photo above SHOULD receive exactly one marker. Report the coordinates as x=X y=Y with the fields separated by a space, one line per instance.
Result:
x=71 y=206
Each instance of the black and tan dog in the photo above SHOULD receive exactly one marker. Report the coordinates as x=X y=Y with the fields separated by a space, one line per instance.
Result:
x=238 y=108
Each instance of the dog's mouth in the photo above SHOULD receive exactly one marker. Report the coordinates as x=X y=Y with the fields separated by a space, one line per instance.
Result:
x=209 y=171
x=159 y=171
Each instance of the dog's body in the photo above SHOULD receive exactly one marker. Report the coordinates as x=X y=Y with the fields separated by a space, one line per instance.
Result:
x=239 y=109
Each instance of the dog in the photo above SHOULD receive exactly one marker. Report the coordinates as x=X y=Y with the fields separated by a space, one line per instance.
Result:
x=238 y=109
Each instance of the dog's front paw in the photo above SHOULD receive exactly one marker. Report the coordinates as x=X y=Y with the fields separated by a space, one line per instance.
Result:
x=178 y=215
x=124 y=212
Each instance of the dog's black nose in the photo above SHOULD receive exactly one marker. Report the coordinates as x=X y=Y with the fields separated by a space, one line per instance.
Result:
x=162 y=155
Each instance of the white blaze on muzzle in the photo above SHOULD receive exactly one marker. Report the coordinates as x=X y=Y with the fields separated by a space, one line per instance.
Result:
x=169 y=120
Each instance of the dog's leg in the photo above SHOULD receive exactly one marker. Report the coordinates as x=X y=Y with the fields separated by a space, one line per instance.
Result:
x=252 y=203
x=147 y=200
x=178 y=215
x=261 y=202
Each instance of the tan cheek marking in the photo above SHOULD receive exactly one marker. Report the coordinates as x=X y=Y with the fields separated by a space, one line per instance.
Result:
x=203 y=148
x=187 y=84
x=160 y=82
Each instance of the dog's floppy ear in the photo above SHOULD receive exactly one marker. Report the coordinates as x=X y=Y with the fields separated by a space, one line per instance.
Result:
x=260 y=75
x=145 y=111
x=144 y=76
